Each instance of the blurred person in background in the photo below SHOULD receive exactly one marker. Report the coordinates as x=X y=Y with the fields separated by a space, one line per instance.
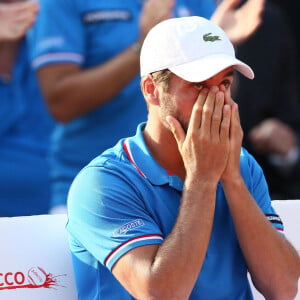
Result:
x=25 y=124
x=270 y=104
x=86 y=55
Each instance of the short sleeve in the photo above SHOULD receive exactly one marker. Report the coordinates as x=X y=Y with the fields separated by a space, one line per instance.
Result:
x=257 y=185
x=58 y=34
x=107 y=215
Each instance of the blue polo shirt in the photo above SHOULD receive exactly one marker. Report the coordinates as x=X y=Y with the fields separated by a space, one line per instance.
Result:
x=89 y=33
x=25 y=129
x=124 y=199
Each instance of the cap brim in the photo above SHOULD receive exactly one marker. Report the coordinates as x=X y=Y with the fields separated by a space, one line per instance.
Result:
x=203 y=69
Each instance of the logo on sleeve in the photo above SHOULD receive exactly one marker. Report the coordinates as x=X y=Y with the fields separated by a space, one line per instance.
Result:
x=273 y=218
x=106 y=15
x=129 y=226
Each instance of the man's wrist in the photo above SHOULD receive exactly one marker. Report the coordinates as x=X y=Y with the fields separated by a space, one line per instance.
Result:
x=198 y=183
x=232 y=180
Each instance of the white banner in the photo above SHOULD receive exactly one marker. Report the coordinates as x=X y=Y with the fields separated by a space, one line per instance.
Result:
x=35 y=262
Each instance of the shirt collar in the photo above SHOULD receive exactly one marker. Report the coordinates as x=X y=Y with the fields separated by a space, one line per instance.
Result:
x=140 y=156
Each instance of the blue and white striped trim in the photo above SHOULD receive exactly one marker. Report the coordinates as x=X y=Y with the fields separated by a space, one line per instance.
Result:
x=57 y=57
x=128 y=245
x=275 y=221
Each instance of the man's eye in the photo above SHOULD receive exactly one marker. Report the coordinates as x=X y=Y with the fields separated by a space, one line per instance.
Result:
x=198 y=85
x=226 y=84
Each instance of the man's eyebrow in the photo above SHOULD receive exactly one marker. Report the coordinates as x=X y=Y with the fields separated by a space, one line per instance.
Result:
x=229 y=73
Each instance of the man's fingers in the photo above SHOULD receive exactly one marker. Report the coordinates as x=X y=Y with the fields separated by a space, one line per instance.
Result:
x=258 y=5
x=226 y=5
x=196 y=116
x=17 y=8
x=177 y=130
x=225 y=124
x=217 y=116
x=208 y=110
x=154 y=11
x=236 y=132
x=236 y=114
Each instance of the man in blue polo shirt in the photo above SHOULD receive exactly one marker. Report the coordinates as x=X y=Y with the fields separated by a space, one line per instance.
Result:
x=180 y=210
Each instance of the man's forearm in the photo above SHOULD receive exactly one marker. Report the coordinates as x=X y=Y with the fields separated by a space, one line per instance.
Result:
x=273 y=263
x=173 y=270
x=74 y=92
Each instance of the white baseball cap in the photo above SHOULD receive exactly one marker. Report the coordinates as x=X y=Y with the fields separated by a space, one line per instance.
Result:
x=193 y=48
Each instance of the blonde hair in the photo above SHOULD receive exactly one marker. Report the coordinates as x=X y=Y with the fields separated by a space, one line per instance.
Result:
x=162 y=77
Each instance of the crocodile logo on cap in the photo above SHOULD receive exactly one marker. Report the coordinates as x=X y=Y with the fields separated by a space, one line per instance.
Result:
x=210 y=38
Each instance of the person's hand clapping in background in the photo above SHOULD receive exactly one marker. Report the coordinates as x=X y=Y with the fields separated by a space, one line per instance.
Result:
x=16 y=18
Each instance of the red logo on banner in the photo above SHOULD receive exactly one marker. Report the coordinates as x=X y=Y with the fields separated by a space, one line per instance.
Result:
x=36 y=277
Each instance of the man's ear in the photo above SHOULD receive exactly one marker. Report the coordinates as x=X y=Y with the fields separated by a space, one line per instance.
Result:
x=150 y=90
